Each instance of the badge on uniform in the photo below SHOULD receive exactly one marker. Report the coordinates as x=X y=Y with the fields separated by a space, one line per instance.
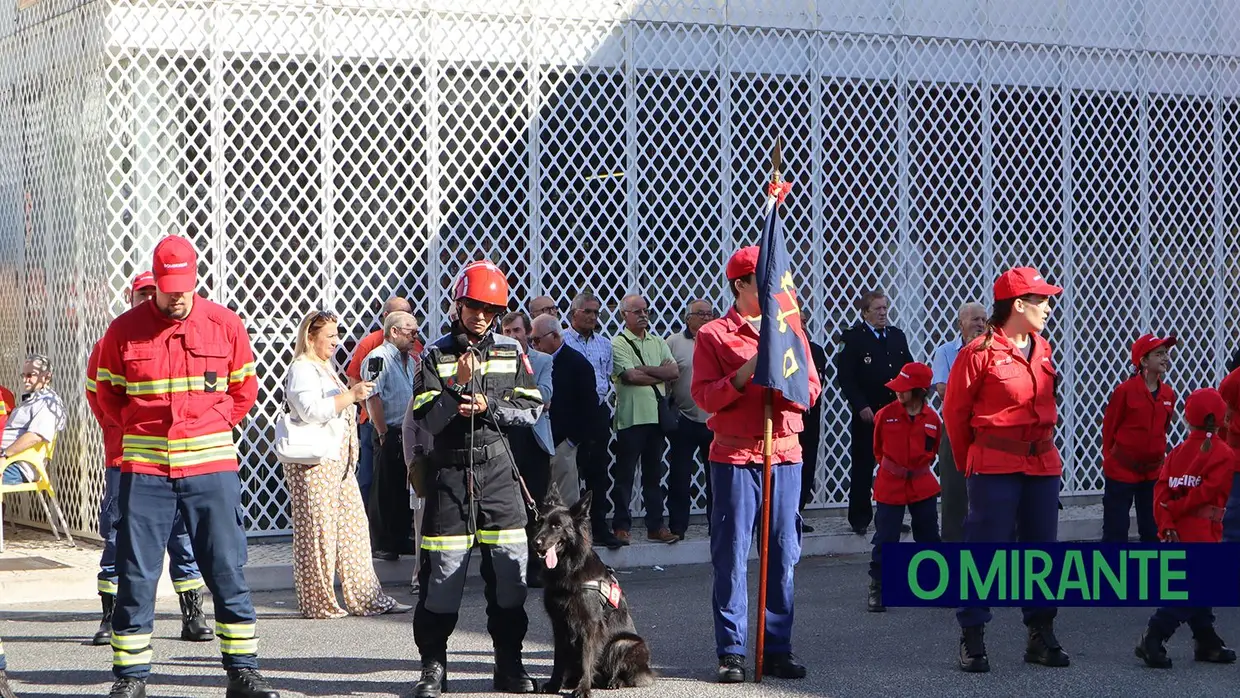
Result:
x=208 y=380
x=867 y=360
x=525 y=359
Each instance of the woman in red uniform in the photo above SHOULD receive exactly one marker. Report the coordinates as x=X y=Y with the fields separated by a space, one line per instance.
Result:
x=1188 y=503
x=906 y=440
x=1000 y=415
x=1134 y=441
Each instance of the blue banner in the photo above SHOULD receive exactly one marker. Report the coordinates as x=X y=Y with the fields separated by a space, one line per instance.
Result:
x=1061 y=574
x=782 y=361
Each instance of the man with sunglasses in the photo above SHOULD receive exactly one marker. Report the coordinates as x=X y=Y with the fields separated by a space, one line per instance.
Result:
x=472 y=387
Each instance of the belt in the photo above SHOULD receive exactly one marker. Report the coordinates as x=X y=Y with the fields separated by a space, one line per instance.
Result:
x=748 y=443
x=1209 y=512
x=900 y=471
x=461 y=456
x=1140 y=465
x=1016 y=446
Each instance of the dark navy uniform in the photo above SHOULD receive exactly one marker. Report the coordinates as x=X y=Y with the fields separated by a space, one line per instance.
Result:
x=867 y=359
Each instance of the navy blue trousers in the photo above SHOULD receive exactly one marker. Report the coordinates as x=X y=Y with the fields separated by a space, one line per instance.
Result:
x=887 y=521
x=1117 y=502
x=690 y=455
x=181 y=565
x=1167 y=620
x=1231 y=517
x=1010 y=508
x=737 y=491
x=210 y=505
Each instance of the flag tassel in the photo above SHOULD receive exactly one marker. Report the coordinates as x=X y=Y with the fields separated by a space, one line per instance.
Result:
x=764 y=539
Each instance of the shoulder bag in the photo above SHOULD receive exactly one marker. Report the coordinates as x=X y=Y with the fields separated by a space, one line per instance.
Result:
x=669 y=414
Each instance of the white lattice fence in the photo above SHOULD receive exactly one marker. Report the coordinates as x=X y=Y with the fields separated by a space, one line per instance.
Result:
x=329 y=154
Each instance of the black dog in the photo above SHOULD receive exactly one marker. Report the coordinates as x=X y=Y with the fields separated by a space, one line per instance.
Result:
x=595 y=642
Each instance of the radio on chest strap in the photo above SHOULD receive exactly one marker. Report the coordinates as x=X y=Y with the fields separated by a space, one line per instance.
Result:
x=609 y=589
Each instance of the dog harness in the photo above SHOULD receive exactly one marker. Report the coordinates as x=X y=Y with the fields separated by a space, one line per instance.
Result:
x=609 y=589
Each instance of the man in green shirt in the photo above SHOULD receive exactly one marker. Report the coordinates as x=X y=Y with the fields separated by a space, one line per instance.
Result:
x=643 y=367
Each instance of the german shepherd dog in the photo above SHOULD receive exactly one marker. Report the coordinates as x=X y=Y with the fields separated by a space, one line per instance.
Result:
x=596 y=645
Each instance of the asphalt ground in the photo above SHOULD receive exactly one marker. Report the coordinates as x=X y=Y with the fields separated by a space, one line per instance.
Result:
x=849 y=652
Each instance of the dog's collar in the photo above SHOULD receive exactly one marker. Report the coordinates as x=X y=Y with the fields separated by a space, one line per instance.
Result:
x=609 y=589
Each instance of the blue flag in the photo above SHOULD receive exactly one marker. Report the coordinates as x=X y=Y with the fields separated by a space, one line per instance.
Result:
x=782 y=361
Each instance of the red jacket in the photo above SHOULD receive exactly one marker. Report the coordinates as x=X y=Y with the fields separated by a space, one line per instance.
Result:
x=905 y=447
x=1192 y=489
x=6 y=405
x=176 y=388
x=111 y=431
x=999 y=409
x=1230 y=390
x=1134 y=431
x=737 y=417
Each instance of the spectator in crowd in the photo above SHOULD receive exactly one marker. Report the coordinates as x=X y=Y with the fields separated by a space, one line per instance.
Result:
x=811 y=435
x=690 y=443
x=594 y=455
x=644 y=366
x=572 y=413
x=391 y=518
x=544 y=305
x=970 y=323
x=330 y=529
x=365 y=430
x=532 y=447
x=33 y=422
x=872 y=354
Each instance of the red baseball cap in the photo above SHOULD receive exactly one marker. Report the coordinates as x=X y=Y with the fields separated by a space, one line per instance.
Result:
x=176 y=265
x=912 y=375
x=1147 y=343
x=1202 y=403
x=1021 y=281
x=143 y=280
x=743 y=263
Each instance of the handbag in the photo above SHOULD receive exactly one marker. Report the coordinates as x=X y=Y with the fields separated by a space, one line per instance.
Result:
x=669 y=414
x=303 y=443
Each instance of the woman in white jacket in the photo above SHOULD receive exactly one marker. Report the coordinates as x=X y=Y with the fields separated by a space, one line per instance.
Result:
x=330 y=531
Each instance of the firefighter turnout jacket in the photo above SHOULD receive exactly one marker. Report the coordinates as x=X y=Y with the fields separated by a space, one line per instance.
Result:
x=111 y=431
x=175 y=388
x=1134 y=431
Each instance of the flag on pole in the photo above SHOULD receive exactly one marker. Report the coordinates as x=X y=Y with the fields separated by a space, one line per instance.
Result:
x=782 y=361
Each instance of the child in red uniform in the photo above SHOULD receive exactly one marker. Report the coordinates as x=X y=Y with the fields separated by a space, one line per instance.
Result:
x=906 y=440
x=1188 y=504
x=1134 y=441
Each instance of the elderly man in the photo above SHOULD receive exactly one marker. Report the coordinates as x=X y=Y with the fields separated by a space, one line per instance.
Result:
x=644 y=366
x=873 y=353
x=544 y=305
x=392 y=366
x=575 y=406
x=34 y=422
x=691 y=441
x=970 y=323
x=594 y=456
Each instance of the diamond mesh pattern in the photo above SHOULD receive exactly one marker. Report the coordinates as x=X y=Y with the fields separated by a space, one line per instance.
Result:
x=331 y=154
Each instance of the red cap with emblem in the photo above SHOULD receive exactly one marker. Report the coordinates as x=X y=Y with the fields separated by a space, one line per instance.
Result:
x=143 y=280
x=176 y=265
x=1148 y=343
x=1023 y=281
x=743 y=263
x=1202 y=403
x=912 y=375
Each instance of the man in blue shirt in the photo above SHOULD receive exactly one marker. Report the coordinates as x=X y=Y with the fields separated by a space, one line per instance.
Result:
x=970 y=322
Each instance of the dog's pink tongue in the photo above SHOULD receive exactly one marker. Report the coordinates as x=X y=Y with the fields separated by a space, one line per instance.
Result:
x=551 y=558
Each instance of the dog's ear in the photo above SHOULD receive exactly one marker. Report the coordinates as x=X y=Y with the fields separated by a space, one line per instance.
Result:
x=581 y=510
x=553 y=498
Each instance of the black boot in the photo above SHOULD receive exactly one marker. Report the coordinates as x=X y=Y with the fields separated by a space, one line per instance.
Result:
x=973 y=657
x=1043 y=648
x=103 y=636
x=783 y=666
x=1209 y=647
x=1151 y=650
x=875 y=602
x=510 y=675
x=434 y=680
x=194 y=626
x=128 y=688
x=731 y=669
x=248 y=683
x=5 y=691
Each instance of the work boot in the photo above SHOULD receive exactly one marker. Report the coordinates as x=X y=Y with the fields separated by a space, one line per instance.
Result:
x=194 y=626
x=103 y=636
x=783 y=665
x=1209 y=647
x=875 y=602
x=5 y=691
x=973 y=657
x=731 y=669
x=248 y=683
x=434 y=680
x=1043 y=648
x=128 y=688
x=510 y=675
x=1152 y=651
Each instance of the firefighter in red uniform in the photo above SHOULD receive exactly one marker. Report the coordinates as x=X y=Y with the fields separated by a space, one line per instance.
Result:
x=177 y=375
x=1000 y=416
x=1229 y=389
x=724 y=361
x=1134 y=441
x=907 y=433
x=1192 y=488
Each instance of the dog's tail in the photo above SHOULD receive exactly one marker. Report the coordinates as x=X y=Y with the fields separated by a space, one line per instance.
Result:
x=627 y=658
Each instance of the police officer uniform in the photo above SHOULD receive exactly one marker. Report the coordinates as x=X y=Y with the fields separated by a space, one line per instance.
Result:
x=474 y=495
x=868 y=359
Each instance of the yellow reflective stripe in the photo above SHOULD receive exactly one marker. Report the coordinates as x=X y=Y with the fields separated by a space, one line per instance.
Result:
x=423 y=399
x=131 y=642
x=188 y=585
x=446 y=370
x=230 y=646
x=499 y=366
x=107 y=586
x=130 y=659
x=235 y=631
x=447 y=542
x=166 y=385
x=509 y=536
x=246 y=371
x=179 y=459
x=91 y=387
x=103 y=375
x=528 y=392
x=193 y=443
